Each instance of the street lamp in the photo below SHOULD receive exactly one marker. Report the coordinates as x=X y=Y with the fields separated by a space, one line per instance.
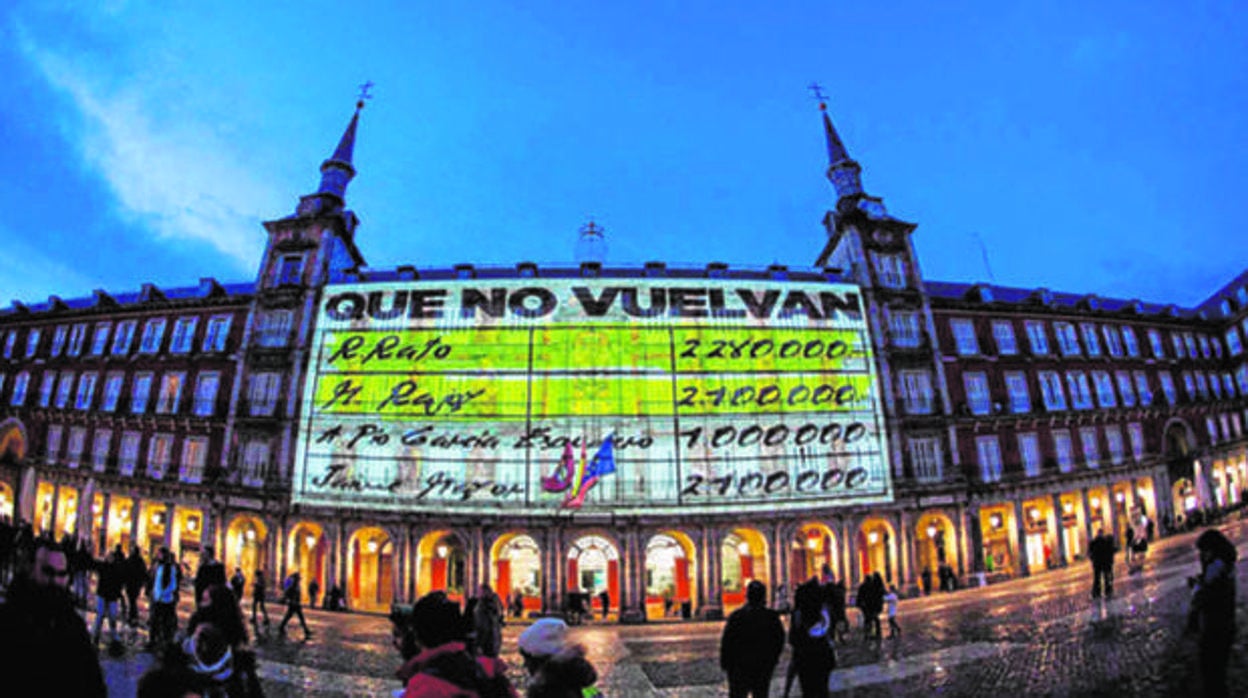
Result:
x=931 y=530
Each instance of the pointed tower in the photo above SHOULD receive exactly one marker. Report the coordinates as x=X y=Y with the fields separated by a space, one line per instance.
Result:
x=843 y=171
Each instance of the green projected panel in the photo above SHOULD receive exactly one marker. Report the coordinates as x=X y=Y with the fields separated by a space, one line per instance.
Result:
x=599 y=395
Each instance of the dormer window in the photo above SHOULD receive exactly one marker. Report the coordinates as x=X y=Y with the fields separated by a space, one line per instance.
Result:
x=290 y=270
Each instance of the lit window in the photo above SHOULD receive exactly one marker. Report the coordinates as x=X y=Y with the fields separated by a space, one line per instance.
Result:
x=129 y=452
x=32 y=342
x=262 y=394
x=9 y=342
x=1142 y=387
x=194 y=455
x=1037 y=337
x=1104 y=389
x=77 y=444
x=927 y=457
x=1090 y=340
x=218 y=332
x=100 y=446
x=1020 y=397
x=77 y=336
x=123 y=337
x=1064 y=449
x=206 y=385
x=1190 y=341
x=1180 y=350
x=86 y=391
x=46 y=388
x=20 y=384
x=1029 y=450
x=1167 y=386
x=159 y=455
x=989 y=450
x=1113 y=341
x=1054 y=394
x=1159 y=349
x=1128 y=338
x=916 y=391
x=1113 y=438
x=183 y=335
x=139 y=393
x=1080 y=394
x=99 y=340
x=53 y=452
x=153 y=333
x=1091 y=447
x=255 y=463
x=1136 y=433
x=903 y=326
x=1003 y=333
x=1233 y=344
x=64 y=389
x=58 y=340
x=170 y=392
x=112 y=390
x=1125 y=389
x=1067 y=339
x=977 y=398
x=274 y=328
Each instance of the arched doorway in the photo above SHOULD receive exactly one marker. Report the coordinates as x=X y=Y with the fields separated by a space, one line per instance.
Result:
x=7 y=501
x=370 y=570
x=245 y=541
x=996 y=524
x=442 y=561
x=936 y=554
x=517 y=573
x=594 y=567
x=669 y=575
x=877 y=550
x=744 y=558
x=1183 y=494
x=1040 y=527
x=306 y=550
x=812 y=548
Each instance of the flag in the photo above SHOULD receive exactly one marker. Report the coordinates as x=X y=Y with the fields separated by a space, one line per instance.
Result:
x=603 y=462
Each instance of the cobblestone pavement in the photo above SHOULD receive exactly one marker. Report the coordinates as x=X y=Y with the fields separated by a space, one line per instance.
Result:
x=1036 y=636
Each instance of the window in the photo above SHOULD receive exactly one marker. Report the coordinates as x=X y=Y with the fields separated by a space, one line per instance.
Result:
x=139 y=393
x=989 y=458
x=99 y=449
x=54 y=444
x=903 y=328
x=206 y=393
x=1136 y=434
x=86 y=391
x=927 y=458
x=1067 y=340
x=99 y=340
x=262 y=394
x=1205 y=350
x=123 y=337
x=891 y=270
x=9 y=342
x=1020 y=399
x=1233 y=344
x=1228 y=385
x=1080 y=394
x=274 y=328
x=1104 y=389
x=1090 y=340
x=1141 y=387
x=1241 y=377
x=112 y=390
x=58 y=340
x=2 y=377
x=32 y=342
x=1029 y=451
x=1216 y=345
x=255 y=463
x=1189 y=386
x=183 y=335
x=977 y=398
x=1003 y=333
x=170 y=392
x=77 y=444
x=46 y=388
x=1167 y=386
x=1202 y=388
x=964 y=336
x=1215 y=386
x=129 y=452
x=1037 y=337
x=1190 y=340
x=20 y=383
x=194 y=454
x=1054 y=394
x=1212 y=427
x=290 y=269
x=1180 y=350
x=1113 y=437
x=916 y=391
x=1159 y=349
x=64 y=390
x=159 y=454
x=1064 y=448
x=1113 y=341
x=77 y=336
x=1091 y=447
x=218 y=331
x=153 y=333
x=1128 y=338
x=1125 y=388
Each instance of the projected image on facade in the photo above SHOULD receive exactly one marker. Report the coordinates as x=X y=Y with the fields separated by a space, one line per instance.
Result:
x=594 y=395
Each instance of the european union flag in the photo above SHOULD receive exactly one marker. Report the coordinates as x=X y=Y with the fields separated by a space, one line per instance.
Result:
x=603 y=462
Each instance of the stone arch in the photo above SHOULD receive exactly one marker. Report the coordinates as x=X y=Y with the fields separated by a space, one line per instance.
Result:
x=936 y=549
x=876 y=548
x=516 y=572
x=370 y=569
x=13 y=441
x=1178 y=439
x=307 y=552
x=670 y=571
x=743 y=557
x=442 y=564
x=593 y=562
x=246 y=539
x=813 y=545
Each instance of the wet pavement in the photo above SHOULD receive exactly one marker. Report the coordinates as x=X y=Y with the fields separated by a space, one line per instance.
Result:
x=1037 y=636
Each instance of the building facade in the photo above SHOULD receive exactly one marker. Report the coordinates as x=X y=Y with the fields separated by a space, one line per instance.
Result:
x=997 y=429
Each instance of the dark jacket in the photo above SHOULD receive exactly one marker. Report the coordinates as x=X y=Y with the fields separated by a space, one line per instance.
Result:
x=1213 y=603
x=112 y=579
x=752 y=642
x=448 y=671
x=565 y=675
x=44 y=644
x=210 y=573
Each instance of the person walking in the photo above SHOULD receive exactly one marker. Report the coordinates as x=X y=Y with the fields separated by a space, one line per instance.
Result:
x=487 y=621
x=163 y=618
x=1212 y=612
x=44 y=645
x=292 y=594
x=259 y=589
x=237 y=584
x=751 y=644
x=1101 y=553
x=810 y=637
x=891 y=599
x=314 y=592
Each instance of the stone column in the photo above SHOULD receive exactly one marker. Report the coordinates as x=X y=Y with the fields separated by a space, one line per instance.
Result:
x=780 y=567
x=905 y=552
x=340 y=555
x=714 y=607
x=168 y=541
x=972 y=557
x=848 y=545
x=96 y=542
x=1020 y=524
x=1063 y=557
x=136 y=515
x=633 y=592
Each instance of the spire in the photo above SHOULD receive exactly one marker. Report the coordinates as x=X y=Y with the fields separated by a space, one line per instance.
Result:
x=337 y=171
x=843 y=171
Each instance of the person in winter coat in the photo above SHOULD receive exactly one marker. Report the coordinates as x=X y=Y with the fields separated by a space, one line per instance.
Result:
x=292 y=594
x=436 y=661
x=1212 y=613
x=238 y=583
x=210 y=572
x=259 y=590
x=556 y=667
x=135 y=581
x=810 y=636
x=163 y=617
x=751 y=645
x=487 y=622
x=215 y=670
x=218 y=607
x=108 y=589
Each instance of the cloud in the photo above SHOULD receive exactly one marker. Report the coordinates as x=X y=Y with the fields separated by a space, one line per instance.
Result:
x=31 y=276
x=173 y=175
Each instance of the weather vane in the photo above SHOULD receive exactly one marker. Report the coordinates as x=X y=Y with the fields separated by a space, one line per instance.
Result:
x=364 y=93
x=818 y=92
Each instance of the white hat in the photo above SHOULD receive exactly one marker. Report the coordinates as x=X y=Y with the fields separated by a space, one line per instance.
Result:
x=545 y=638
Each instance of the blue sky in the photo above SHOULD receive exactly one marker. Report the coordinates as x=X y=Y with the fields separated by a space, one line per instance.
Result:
x=1090 y=147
